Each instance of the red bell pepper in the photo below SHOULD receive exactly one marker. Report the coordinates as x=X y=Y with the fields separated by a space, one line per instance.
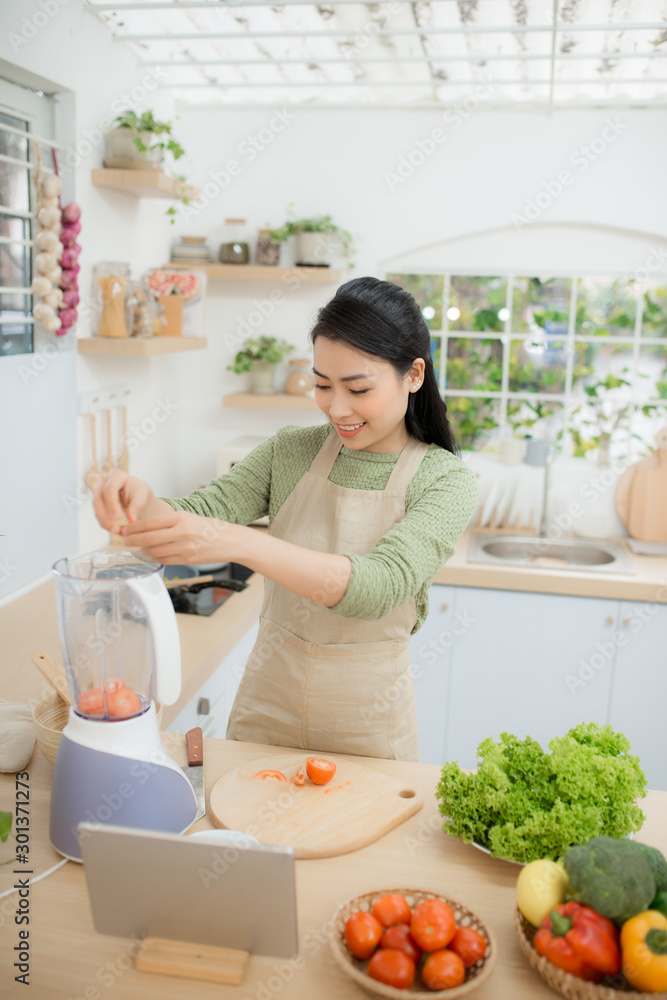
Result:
x=579 y=941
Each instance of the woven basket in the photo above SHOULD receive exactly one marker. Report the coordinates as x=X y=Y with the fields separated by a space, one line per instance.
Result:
x=571 y=986
x=50 y=716
x=356 y=969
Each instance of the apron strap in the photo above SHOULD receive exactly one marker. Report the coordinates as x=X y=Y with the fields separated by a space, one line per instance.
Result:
x=406 y=465
x=323 y=462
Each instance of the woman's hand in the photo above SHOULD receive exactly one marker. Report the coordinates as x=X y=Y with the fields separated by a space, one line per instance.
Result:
x=119 y=493
x=181 y=538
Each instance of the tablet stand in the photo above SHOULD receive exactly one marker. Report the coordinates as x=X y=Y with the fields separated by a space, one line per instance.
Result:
x=192 y=961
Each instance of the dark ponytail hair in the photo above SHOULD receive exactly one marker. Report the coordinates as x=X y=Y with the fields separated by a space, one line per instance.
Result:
x=383 y=320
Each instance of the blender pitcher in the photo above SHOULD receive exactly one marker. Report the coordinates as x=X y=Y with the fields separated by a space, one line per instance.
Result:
x=122 y=652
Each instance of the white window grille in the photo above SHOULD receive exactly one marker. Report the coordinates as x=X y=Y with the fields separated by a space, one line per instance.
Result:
x=529 y=354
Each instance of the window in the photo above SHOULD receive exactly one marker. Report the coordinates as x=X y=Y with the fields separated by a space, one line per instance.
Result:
x=16 y=330
x=579 y=359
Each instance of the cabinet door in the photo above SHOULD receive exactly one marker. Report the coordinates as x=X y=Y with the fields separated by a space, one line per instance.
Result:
x=528 y=664
x=639 y=694
x=429 y=649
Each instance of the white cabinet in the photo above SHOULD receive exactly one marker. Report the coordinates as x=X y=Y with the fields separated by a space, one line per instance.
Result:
x=639 y=702
x=492 y=661
x=220 y=691
x=517 y=667
x=429 y=650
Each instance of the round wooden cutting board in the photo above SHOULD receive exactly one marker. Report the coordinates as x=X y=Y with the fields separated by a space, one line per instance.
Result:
x=641 y=495
x=358 y=806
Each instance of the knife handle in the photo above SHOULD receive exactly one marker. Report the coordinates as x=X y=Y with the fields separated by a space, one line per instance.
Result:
x=195 y=745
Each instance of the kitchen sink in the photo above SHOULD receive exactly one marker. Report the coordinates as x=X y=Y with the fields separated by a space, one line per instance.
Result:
x=586 y=554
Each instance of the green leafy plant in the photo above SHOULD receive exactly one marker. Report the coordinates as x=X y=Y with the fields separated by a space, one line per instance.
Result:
x=318 y=224
x=164 y=143
x=147 y=122
x=269 y=350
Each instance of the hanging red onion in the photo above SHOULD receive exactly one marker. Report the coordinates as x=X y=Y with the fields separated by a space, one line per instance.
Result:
x=71 y=213
x=67 y=316
x=71 y=298
x=68 y=279
x=69 y=233
x=68 y=259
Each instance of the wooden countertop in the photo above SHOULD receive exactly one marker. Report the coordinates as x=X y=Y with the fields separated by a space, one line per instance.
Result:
x=70 y=960
x=648 y=583
x=30 y=623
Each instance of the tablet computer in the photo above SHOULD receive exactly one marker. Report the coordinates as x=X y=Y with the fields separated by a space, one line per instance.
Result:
x=147 y=884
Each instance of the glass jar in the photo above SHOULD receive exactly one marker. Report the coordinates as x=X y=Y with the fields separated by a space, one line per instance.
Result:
x=299 y=377
x=110 y=280
x=234 y=250
x=268 y=251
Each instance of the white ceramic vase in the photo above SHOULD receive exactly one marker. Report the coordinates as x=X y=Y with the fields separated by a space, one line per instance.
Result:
x=120 y=145
x=313 y=248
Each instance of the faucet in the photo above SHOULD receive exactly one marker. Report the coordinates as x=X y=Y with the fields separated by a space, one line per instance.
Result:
x=545 y=496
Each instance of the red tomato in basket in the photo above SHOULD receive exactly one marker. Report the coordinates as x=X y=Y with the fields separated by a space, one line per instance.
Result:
x=433 y=924
x=443 y=970
x=393 y=968
x=469 y=945
x=391 y=909
x=362 y=934
x=400 y=939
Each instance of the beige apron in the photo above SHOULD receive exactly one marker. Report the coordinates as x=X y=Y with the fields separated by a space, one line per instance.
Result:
x=314 y=679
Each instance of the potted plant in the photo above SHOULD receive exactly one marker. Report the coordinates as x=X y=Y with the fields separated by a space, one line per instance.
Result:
x=316 y=240
x=143 y=138
x=260 y=357
x=143 y=141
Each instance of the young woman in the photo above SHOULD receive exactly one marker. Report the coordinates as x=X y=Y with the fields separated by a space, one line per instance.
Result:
x=363 y=511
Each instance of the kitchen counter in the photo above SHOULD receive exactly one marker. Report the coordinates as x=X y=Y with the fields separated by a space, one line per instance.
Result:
x=70 y=960
x=29 y=622
x=648 y=583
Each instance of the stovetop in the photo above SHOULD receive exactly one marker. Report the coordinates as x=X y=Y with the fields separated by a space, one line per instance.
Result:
x=204 y=598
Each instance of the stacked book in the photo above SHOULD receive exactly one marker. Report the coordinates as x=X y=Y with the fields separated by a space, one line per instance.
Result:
x=191 y=250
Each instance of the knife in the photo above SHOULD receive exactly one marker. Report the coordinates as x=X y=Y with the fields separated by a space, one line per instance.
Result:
x=195 y=769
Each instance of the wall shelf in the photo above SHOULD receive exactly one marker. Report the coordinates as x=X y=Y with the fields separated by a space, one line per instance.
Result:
x=275 y=401
x=258 y=272
x=142 y=183
x=139 y=348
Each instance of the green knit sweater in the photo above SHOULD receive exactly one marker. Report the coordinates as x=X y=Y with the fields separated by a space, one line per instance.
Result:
x=440 y=502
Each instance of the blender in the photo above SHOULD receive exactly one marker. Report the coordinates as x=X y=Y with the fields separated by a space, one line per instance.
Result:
x=122 y=654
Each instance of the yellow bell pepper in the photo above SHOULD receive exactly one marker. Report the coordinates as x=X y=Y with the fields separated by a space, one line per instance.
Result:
x=644 y=951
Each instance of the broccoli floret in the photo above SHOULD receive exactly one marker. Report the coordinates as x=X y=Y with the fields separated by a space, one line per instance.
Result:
x=611 y=876
x=656 y=862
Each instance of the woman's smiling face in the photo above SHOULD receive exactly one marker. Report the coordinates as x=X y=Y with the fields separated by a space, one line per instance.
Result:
x=363 y=396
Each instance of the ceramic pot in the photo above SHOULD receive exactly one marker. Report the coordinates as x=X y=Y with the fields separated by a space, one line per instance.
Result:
x=313 y=249
x=262 y=375
x=120 y=145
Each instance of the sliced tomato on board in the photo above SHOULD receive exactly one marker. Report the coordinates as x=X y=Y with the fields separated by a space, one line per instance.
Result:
x=300 y=777
x=320 y=771
x=263 y=775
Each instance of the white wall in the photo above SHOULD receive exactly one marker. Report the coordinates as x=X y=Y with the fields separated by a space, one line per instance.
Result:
x=484 y=172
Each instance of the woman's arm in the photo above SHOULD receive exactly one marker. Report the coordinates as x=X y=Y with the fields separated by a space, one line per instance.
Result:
x=182 y=537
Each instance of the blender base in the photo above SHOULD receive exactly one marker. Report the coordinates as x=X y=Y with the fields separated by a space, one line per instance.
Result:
x=92 y=785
